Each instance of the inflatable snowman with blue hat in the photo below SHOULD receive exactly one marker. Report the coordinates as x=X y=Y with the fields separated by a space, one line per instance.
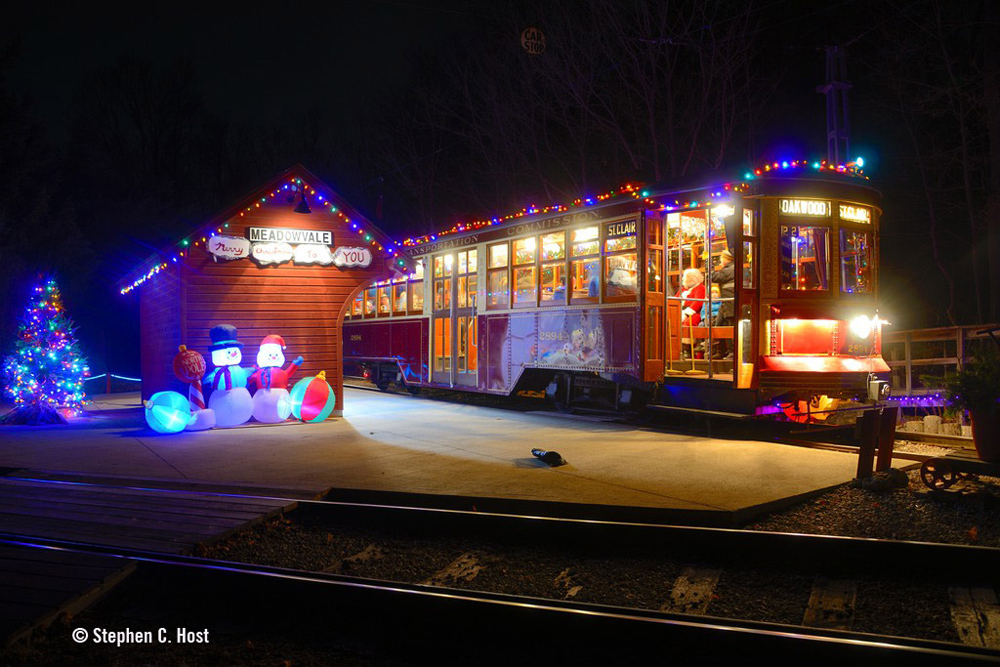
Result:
x=228 y=381
x=270 y=401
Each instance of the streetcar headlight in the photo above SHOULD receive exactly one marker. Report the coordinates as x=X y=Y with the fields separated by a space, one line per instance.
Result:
x=861 y=326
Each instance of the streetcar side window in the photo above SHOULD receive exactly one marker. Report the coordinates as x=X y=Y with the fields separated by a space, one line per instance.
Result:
x=553 y=273
x=620 y=260
x=805 y=257
x=855 y=262
x=415 y=289
x=399 y=298
x=525 y=284
x=497 y=289
x=384 y=305
x=585 y=264
x=467 y=279
x=357 y=308
x=443 y=267
x=370 y=302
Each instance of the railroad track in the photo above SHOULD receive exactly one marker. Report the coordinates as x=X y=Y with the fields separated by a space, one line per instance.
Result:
x=446 y=614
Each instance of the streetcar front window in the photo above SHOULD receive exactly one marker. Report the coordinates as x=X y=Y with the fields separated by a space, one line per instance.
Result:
x=855 y=262
x=805 y=257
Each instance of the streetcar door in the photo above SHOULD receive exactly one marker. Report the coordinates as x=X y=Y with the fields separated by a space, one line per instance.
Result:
x=466 y=352
x=653 y=301
x=442 y=343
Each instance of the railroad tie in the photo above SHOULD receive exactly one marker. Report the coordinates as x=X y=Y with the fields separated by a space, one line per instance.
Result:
x=831 y=604
x=692 y=591
x=976 y=615
x=463 y=568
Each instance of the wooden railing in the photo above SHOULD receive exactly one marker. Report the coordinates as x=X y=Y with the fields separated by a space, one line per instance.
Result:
x=918 y=353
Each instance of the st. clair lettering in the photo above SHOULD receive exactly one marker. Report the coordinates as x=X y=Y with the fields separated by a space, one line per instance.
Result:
x=626 y=228
x=283 y=235
x=804 y=207
x=855 y=213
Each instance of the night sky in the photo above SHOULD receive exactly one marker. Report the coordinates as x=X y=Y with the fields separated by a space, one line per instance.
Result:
x=352 y=66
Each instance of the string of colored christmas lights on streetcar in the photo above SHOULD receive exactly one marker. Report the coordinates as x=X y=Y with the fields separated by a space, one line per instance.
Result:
x=853 y=169
x=849 y=169
x=292 y=185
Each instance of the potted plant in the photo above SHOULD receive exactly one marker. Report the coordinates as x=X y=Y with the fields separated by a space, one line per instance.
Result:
x=976 y=388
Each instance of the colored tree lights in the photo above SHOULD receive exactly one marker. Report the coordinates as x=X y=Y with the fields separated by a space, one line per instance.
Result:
x=45 y=372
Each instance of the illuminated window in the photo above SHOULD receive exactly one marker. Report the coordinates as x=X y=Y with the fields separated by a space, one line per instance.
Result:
x=399 y=298
x=443 y=267
x=497 y=287
x=525 y=274
x=415 y=288
x=525 y=289
x=524 y=251
x=553 y=269
x=855 y=262
x=467 y=279
x=370 y=302
x=585 y=265
x=620 y=260
x=585 y=241
x=384 y=305
x=805 y=257
x=357 y=308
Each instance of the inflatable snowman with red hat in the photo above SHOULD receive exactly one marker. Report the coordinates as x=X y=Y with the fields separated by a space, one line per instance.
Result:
x=270 y=402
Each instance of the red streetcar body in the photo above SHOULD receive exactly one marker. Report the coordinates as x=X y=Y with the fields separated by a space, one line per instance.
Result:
x=594 y=305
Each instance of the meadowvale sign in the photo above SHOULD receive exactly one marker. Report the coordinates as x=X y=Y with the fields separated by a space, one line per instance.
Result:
x=283 y=235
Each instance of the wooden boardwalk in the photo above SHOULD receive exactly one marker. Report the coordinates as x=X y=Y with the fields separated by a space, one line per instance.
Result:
x=39 y=585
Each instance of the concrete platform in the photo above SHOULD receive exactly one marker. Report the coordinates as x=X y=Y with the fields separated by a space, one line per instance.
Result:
x=392 y=443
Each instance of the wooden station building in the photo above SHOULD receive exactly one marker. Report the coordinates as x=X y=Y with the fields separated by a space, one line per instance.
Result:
x=286 y=259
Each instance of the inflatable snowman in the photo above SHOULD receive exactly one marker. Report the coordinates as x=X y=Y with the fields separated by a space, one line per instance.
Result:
x=230 y=399
x=271 y=403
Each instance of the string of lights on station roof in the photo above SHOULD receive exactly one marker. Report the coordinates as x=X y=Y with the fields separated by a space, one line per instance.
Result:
x=182 y=248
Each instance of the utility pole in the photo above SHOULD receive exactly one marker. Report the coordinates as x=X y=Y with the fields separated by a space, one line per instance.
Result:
x=838 y=120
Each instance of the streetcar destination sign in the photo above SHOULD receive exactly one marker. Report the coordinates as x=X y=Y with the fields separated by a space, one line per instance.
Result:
x=855 y=213
x=804 y=207
x=284 y=235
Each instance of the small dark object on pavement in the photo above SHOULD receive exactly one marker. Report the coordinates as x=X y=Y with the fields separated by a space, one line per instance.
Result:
x=552 y=458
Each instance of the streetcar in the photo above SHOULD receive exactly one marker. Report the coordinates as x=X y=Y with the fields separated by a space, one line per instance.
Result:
x=592 y=303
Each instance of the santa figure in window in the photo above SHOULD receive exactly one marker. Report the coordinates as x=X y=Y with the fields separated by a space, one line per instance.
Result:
x=271 y=403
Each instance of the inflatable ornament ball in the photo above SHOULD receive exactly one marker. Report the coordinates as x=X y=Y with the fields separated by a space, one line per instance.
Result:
x=168 y=412
x=312 y=399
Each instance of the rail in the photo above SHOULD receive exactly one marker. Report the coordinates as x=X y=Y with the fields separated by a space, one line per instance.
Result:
x=913 y=353
x=414 y=611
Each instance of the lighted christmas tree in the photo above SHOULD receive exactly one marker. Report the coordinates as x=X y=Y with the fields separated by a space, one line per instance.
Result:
x=45 y=373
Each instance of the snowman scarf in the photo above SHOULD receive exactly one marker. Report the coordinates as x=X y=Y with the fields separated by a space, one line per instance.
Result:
x=220 y=374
